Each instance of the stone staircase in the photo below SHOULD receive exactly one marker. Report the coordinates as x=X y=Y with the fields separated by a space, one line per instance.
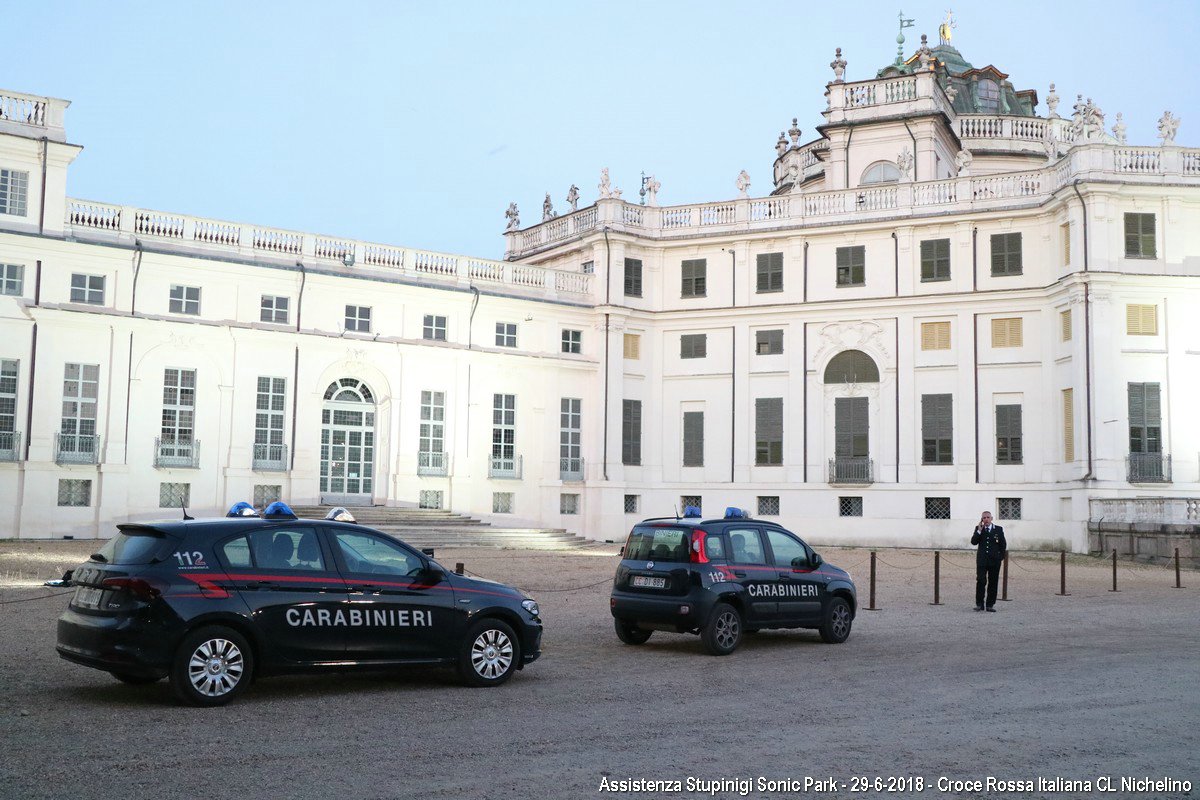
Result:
x=439 y=529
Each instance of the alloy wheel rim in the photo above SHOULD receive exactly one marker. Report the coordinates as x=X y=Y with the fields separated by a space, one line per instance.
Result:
x=216 y=667
x=841 y=621
x=491 y=654
x=727 y=630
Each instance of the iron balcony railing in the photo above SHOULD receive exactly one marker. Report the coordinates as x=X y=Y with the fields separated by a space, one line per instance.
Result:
x=570 y=469
x=431 y=464
x=851 y=469
x=10 y=445
x=173 y=454
x=1149 y=468
x=270 y=458
x=508 y=468
x=76 y=448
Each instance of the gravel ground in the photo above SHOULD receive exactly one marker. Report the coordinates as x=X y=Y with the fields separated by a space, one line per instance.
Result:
x=1074 y=687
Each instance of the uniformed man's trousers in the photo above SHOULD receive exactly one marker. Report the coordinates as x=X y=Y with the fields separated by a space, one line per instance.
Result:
x=986 y=577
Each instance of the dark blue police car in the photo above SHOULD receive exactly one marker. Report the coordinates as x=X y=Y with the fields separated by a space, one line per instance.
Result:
x=722 y=578
x=213 y=604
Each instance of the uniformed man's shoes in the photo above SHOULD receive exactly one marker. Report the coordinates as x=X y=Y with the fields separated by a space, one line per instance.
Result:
x=991 y=608
x=979 y=608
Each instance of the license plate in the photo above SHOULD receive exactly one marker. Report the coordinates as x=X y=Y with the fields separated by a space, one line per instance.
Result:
x=647 y=582
x=88 y=597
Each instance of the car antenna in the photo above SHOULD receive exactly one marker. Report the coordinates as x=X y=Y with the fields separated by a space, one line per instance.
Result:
x=676 y=507
x=183 y=508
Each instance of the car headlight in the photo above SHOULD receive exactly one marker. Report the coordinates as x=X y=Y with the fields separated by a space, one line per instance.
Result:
x=531 y=606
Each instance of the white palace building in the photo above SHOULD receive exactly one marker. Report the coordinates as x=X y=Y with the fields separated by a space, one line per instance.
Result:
x=952 y=299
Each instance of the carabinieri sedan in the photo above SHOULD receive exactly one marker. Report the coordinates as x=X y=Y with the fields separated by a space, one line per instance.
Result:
x=213 y=604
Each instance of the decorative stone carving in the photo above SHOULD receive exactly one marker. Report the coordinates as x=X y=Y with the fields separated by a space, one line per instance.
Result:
x=1050 y=145
x=794 y=134
x=962 y=162
x=513 y=216
x=1119 y=129
x=573 y=197
x=1168 y=126
x=781 y=145
x=1052 y=102
x=838 y=65
x=951 y=92
x=743 y=183
x=1093 y=120
x=605 y=185
x=793 y=175
x=652 y=187
x=838 y=336
x=548 y=212
x=904 y=163
x=924 y=55
x=1077 y=119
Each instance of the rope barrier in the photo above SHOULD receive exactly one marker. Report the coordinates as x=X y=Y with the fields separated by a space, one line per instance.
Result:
x=31 y=599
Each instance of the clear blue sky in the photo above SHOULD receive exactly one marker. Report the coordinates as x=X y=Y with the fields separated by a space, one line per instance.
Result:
x=417 y=123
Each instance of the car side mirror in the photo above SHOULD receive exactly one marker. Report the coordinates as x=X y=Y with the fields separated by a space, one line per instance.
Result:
x=621 y=552
x=430 y=575
x=817 y=560
x=800 y=562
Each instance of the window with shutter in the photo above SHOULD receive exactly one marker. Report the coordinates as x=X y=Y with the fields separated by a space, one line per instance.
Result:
x=1006 y=254
x=935 y=260
x=1068 y=425
x=1007 y=332
x=633 y=346
x=693 y=438
x=1141 y=319
x=851 y=265
x=768 y=343
x=1065 y=235
x=770 y=272
x=1145 y=418
x=851 y=434
x=935 y=335
x=937 y=429
x=633 y=277
x=768 y=431
x=631 y=433
x=1139 y=236
x=693 y=345
x=1008 y=434
x=1065 y=319
x=694 y=278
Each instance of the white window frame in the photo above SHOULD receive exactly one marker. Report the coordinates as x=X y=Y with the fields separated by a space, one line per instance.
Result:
x=358 y=319
x=506 y=334
x=185 y=300
x=14 y=192
x=274 y=309
x=12 y=279
x=433 y=328
x=90 y=289
x=572 y=341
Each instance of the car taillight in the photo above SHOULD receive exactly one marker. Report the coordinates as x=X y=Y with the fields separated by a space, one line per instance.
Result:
x=696 y=552
x=137 y=587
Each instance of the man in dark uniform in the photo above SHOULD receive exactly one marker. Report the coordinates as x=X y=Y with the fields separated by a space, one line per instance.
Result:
x=988 y=558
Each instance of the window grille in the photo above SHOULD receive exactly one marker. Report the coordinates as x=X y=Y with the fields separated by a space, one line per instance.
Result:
x=768 y=506
x=429 y=498
x=502 y=502
x=75 y=493
x=937 y=508
x=174 y=495
x=633 y=502
x=267 y=493
x=1008 y=507
x=689 y=500
x=850 y=506
x=568 y=504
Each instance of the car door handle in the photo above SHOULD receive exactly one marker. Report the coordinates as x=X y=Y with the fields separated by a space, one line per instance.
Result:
x=785 y=574
x=366 y=587
x=739 y=573
x=266 y=585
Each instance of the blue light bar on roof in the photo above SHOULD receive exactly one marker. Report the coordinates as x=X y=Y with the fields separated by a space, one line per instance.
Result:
x=736 y=513
x=278 y=510
x=242 y=509
x=691 y=512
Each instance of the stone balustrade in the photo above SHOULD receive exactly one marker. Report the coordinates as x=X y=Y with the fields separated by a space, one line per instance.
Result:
x=1093 y=161
x=30 y=115
x=861 y=100
x=1146 y=510
x=87 y=219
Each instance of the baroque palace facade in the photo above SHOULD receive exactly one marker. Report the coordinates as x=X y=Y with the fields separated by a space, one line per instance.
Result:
x=946 y=303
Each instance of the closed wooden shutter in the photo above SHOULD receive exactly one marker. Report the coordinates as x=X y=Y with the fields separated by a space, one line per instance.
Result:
x=768 y=431
x=1006 y=254
x=1065 y=232
x=1008 y=434
x=935 y=335
x=1068 y=425
x=631 y=432
x=693 y=438
x=1145 y=418
x=633 y=277
x=1065 y=318
x=633 y=346
x=935 y=260
x=937 y=428
x=1141 y=320
x=693 y=345
x=1139 y=236
x=769 y=267
x=1007 y=332
x=851 y=434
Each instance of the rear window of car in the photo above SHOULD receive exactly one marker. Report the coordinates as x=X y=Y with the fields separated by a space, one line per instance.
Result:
x=648 y=543
x=132 y=548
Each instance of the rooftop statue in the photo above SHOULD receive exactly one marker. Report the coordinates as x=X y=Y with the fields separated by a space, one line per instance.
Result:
x=1119 y=129
x=652 y=187
x=548 y=212
x=573 y=197
x=838 y=65
x=904 y=163
x=1168 y=126
x=1052 y=102
x=743 y=183
x=794 y=132
x=605 y=185
x=963 y=162
x=513 y=216
x=946 y=29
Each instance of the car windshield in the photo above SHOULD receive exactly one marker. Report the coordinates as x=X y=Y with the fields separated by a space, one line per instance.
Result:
x=651 y=543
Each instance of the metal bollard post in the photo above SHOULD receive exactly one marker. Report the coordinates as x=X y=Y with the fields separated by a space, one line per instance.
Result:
x=937 y=578
x=1178 y=585
x=458 y=568
x=872 y=606
x=1114 y=588
x=1063 y=573
x=1004 y=582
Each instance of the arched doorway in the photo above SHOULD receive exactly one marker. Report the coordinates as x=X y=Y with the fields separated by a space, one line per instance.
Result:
x=348 y=443
x=851 y=461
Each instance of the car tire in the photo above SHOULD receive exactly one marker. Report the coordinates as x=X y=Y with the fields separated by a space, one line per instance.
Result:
x=629 y=633
x=835 y=627
x=212 y=666
x=135 y=680
x=722 y=634
x=490 y=653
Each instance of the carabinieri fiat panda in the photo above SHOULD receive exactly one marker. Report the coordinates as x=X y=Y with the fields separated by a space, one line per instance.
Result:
x=213 y=604
x=722 y=578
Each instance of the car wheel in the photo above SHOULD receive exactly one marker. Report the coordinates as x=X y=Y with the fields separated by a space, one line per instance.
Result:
x=722 y=633
x=211 y=667
x=134 y=680
x=630 y=634
x=835 y=628
x=490 y=654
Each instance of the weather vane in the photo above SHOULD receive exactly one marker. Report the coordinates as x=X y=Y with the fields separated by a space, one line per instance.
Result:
x=904 y=23
x=946 y=29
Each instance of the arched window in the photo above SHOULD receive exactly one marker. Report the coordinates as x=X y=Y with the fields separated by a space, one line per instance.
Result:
x=349 y=390
x=989 y=96
x=852 y=366
x=881 y=172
